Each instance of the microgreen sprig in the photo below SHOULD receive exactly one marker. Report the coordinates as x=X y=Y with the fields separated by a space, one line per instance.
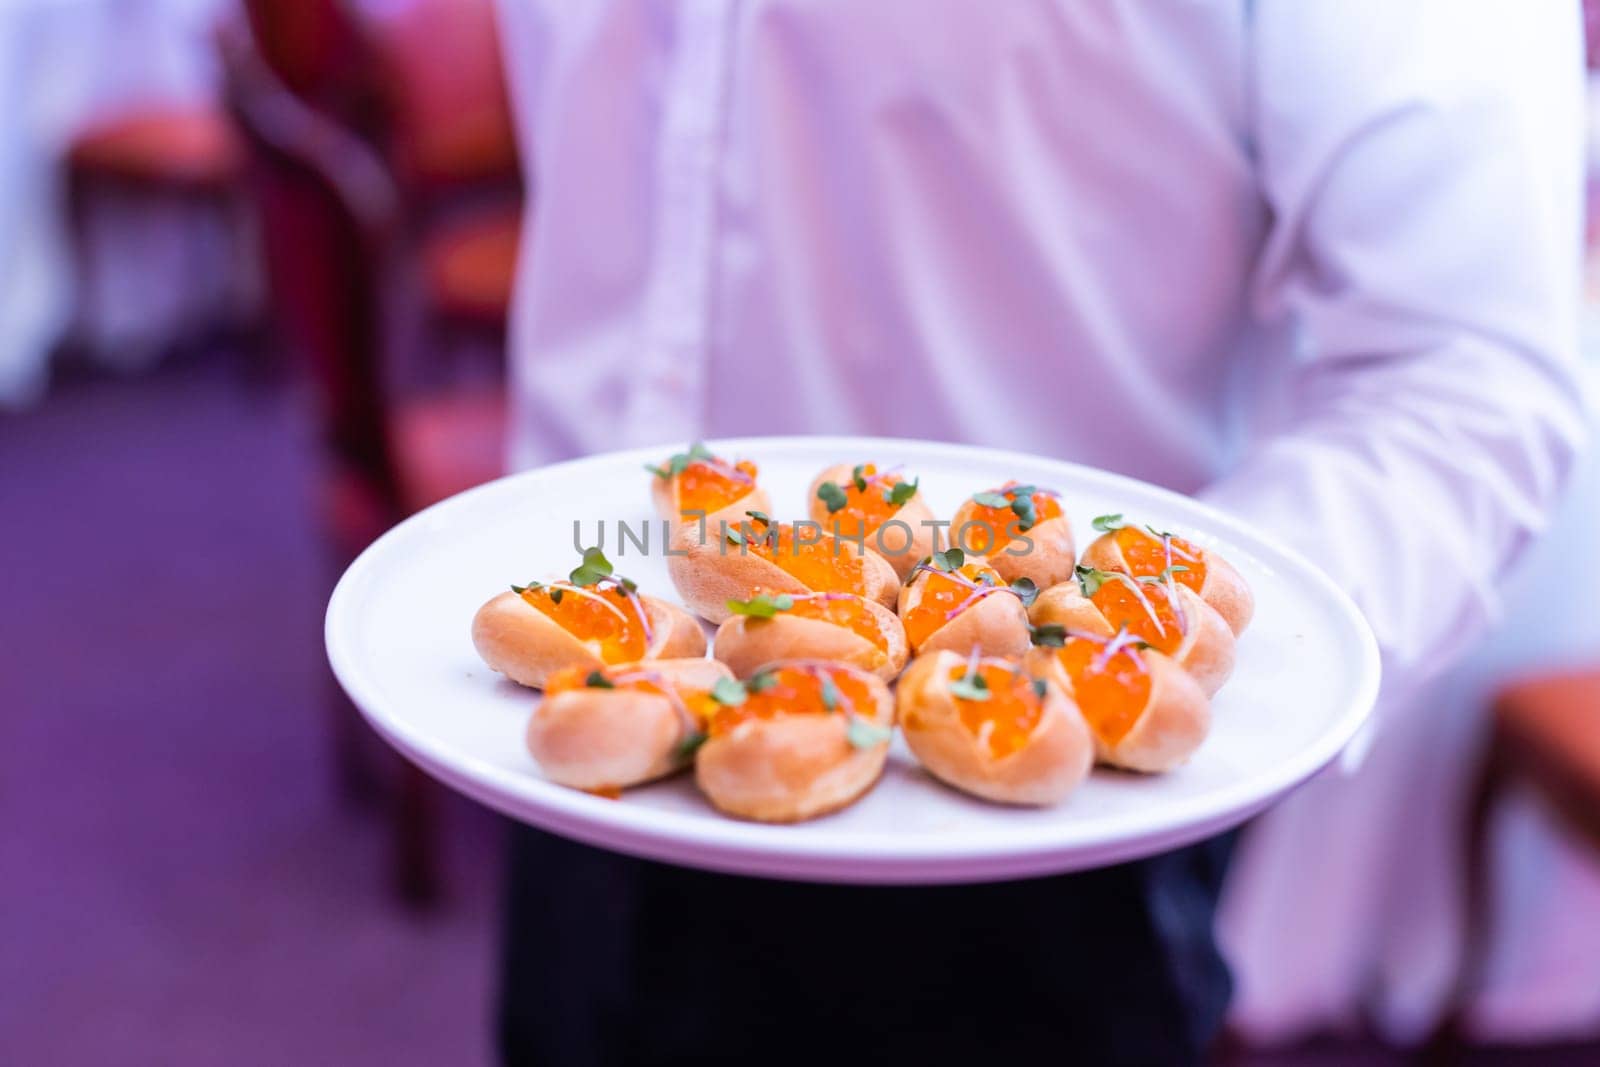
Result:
x=762 y=606
x=833 y=496
x=678 y=462
x=898 y=494
x=1108 y=523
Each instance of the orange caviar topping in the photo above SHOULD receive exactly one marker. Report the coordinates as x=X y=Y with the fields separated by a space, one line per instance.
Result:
x=1120 y=603
x=707 y=486
x=847 y=610
x=943 y=594
x=997 y=524
x=825 y=565
x=608 y=620
x=641 y=679
x=804 y=690
x=1148 y=555
x=865 y=509
x=1111 y=691
x=1003 y=722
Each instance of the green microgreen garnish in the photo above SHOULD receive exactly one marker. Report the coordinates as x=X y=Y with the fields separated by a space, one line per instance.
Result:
x=970 y=686
x=864 y=733
x=1167 y=572
x=760 y=516
x=520 y=589
x=596 y=680
x=762 y=606
x=761 y=681
x=830 y=693
x=594 y=567
x=830 y=494
x=897 y=495
x=1091 y=579
x=1026 y=589
x=991 y=500
x=1108 y=523
x=860 y=479
x=1048 y=635
x=677 y=462
x=1159 y=534
x=691 y=744
x=735 y=537
x=728 y=693
x=950 y=560
x=1039 y=688
x=1027 y=514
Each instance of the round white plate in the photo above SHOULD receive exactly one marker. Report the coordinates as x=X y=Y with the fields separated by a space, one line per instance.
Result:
x=398 y=638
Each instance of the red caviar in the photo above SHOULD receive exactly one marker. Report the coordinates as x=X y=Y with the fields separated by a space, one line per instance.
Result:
x=994 y=524
x=1111 y=692
x=1147 y=555
x=1004 y=722
x=606 y=619
x=799 y=690
x=842 y=609
x=706 y=486
x=1122 y=607
x=942 y=594
x=825 y=565
x=865 y=509
x=636 y=678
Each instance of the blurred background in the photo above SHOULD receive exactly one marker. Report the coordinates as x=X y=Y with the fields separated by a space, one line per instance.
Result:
x=255 y=260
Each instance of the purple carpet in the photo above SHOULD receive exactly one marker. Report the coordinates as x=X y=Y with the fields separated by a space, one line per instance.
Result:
x=179 y=882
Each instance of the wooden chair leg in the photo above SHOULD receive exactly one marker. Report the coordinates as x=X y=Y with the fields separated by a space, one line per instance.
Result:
x=416 y=870
x=1448 y=1042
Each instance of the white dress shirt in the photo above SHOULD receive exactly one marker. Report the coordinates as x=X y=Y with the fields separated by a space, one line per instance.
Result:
x=1317 y=259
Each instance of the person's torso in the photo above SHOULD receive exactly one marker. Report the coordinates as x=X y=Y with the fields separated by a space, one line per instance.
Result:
x=1028 y=224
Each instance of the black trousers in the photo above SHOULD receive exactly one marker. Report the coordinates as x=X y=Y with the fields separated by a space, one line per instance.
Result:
x=610 y=960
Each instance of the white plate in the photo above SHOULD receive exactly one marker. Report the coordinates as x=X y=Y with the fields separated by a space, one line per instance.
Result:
x=398 y=638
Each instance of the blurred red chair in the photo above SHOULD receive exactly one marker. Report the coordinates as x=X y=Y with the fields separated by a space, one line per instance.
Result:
x=334 y=238
x=186 y=154
x=1544 y=736
x=451 y=143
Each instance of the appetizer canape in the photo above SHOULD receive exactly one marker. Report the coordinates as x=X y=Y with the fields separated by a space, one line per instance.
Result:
x=878 y=505
x=839 y=627
x=734 y=561
x=993 y=728
x=1022 y=531
x=1145 y=552
x=1158 y=610
x=605 y=729
x=1145 y=712
x=958 y=602
x=592 y=619
x=696 y=484
x=797 y=740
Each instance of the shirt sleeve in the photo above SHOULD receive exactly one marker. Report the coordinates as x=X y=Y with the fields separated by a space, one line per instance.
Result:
x=1422 y=165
